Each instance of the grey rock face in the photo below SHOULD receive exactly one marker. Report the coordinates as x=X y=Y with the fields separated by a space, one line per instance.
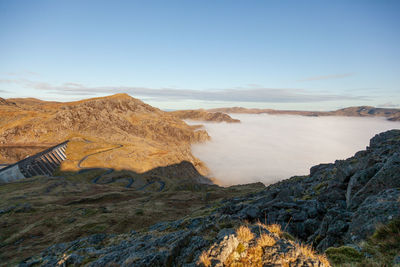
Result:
x=336 y=203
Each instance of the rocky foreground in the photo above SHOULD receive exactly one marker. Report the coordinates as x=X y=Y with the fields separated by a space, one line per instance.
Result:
x=337 y=204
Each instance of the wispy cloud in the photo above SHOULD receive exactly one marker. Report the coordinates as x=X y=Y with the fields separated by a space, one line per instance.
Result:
x=239 y=94
x=389 y=105
x=22 y=73
x=328 y=77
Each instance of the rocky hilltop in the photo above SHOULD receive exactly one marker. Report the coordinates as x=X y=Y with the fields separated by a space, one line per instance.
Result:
x=362 y=111
x=4 y=102
x=131 y=134
x=203 y=115
x=337 y=208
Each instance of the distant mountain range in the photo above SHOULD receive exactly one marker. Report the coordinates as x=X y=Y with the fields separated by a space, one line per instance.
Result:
x=391 y=114
x=203 y=115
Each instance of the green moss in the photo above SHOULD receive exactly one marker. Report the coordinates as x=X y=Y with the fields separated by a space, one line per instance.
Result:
x=139 y=212
x=353 y=161
x=89 y=212
x=318 y=187
x=224 y=225
x=288 y=236
x=298 y=178
x=343 y=255
x=93 y=228
x=87 y=260
x=306 y=197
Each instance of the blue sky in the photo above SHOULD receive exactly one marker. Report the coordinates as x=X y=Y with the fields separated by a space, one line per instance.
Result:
x=314 y=55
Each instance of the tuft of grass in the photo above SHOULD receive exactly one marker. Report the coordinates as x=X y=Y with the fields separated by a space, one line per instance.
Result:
x=306 y=250
x=244 y=233
x=382 y=247
x=323 y=259
x=384 y=244
x=266 y=241
x=255 y=253
x=240 y=248
x=275 y=228
x=204 y=259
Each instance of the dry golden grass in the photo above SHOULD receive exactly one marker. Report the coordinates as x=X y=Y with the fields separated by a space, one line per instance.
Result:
x=275 y=228
x=204 y=259
x=252 y=253
x=322 y=258
x=151 y=138
x=266 y=241
x=244 y=234
x=64 y=209
x=253 y=257
x=306 y=251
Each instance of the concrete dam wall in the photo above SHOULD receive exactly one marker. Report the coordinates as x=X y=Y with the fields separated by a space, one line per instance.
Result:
x=43 y=163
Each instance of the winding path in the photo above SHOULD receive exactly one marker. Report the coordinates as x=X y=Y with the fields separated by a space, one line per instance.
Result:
x=109 y=170
x=86 y=157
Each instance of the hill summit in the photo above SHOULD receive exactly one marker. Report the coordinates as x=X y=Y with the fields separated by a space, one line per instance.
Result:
x=146 y=136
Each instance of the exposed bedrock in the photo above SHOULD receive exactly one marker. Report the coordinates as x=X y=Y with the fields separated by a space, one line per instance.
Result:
x=336 y=203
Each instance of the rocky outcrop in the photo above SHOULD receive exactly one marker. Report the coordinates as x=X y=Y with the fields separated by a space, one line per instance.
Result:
x=203 y=115
x=4 y=102
x=183 y=243
x=148 y=137
x=338 y=203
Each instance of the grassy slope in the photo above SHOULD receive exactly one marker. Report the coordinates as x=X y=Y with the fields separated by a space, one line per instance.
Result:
x=53 y=210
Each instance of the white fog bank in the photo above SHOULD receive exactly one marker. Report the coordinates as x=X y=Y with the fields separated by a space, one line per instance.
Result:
x=268 y=148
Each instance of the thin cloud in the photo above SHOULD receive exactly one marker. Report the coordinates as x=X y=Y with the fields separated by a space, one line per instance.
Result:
x=327 y=77
x=22 y=73
x=389 y=105
x=239 y=94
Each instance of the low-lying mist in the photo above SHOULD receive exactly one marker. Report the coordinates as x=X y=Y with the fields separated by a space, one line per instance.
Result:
x=268 y=148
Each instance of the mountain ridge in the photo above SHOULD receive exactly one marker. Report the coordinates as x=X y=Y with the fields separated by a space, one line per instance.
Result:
x=392 y=114
x=150 y=137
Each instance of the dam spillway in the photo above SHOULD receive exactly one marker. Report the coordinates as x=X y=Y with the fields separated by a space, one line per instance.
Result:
x=42 y=163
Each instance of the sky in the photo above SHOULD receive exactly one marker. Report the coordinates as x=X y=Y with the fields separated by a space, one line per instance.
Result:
x=308 y=55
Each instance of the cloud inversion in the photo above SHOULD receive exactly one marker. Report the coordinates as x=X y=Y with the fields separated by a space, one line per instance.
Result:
x=266 y=148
